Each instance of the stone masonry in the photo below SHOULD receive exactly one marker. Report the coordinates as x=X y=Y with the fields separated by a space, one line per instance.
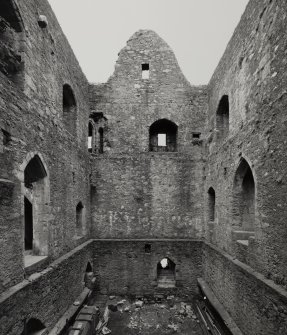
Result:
x=120 y=175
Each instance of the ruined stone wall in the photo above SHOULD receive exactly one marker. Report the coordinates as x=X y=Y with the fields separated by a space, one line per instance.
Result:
x=257 y=305
x=46 y=295
x=124 y=267
x=131 y=104
x=138 y=193
x=147 y=195
x=31 y=121
x=252 y=74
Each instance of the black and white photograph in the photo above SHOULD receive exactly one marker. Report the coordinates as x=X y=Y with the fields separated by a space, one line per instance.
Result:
x=143 y=167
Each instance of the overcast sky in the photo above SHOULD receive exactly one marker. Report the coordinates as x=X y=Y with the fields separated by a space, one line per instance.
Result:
x=197 y=30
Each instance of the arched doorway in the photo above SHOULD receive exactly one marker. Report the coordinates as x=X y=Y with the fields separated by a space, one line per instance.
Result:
x=36 y=199
x=34 y=327
x=166 y=273
x=89 y=276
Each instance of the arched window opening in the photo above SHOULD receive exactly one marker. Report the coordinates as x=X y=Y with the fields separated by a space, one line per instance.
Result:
x=10 y=29
x=36 y=206
x=244 y=197
x=69 y=108
x=211 y=204
x=89 y=267
x=163 y=136
x=34 y=171
x=34 y=327
x=90 y=137
x=79 y=219
x=222 y=118
x=166 y=273
x=101 y=140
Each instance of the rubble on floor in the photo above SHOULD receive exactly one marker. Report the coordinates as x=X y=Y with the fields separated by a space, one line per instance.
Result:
x=152 y=316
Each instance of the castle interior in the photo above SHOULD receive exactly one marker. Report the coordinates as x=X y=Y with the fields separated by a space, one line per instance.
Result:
x=143 y=205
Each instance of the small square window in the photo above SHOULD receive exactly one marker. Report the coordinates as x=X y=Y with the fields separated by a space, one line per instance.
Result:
x=145 y=71
x=161 y=138
x=196 y=135
x=145 y=67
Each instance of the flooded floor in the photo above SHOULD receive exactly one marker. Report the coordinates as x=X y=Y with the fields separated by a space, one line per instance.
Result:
x=147 y=317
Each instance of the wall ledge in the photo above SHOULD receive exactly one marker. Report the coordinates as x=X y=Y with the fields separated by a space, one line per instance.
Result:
x=248 y=269
x=40 y=275
x=219 y=307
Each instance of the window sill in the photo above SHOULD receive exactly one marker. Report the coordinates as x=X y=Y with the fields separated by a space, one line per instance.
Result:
x=78 y=237
x=32 y=263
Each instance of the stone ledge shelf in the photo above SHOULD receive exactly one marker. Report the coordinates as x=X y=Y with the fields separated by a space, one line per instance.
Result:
x=219 y=307
x=34 y=263
x=30 y=260
x=70 y=313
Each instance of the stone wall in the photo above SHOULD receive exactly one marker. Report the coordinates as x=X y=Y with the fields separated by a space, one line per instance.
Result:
x=45 y=295
x=139 y=193
x=124 y=266
x=147 y=195
x=251 y=74
x=256 y=304
x=131 y=104
x=135 y=192
x=31 y=120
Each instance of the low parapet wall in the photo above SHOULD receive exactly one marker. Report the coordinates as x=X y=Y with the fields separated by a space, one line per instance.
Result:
x=257 y=305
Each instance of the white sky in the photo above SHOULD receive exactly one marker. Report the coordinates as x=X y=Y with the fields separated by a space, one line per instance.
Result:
x=197 y=30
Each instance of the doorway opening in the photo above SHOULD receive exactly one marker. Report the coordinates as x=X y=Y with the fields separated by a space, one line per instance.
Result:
x=166 y=273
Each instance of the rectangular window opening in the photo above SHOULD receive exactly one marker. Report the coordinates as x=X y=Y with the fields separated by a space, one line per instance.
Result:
x=90 y=138
x=28 y=215
x=145 y=71
x=161 y=140
x=147 y=248
x=196 y=135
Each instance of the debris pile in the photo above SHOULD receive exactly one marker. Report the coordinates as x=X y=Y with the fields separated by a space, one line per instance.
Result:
x=149 y=314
